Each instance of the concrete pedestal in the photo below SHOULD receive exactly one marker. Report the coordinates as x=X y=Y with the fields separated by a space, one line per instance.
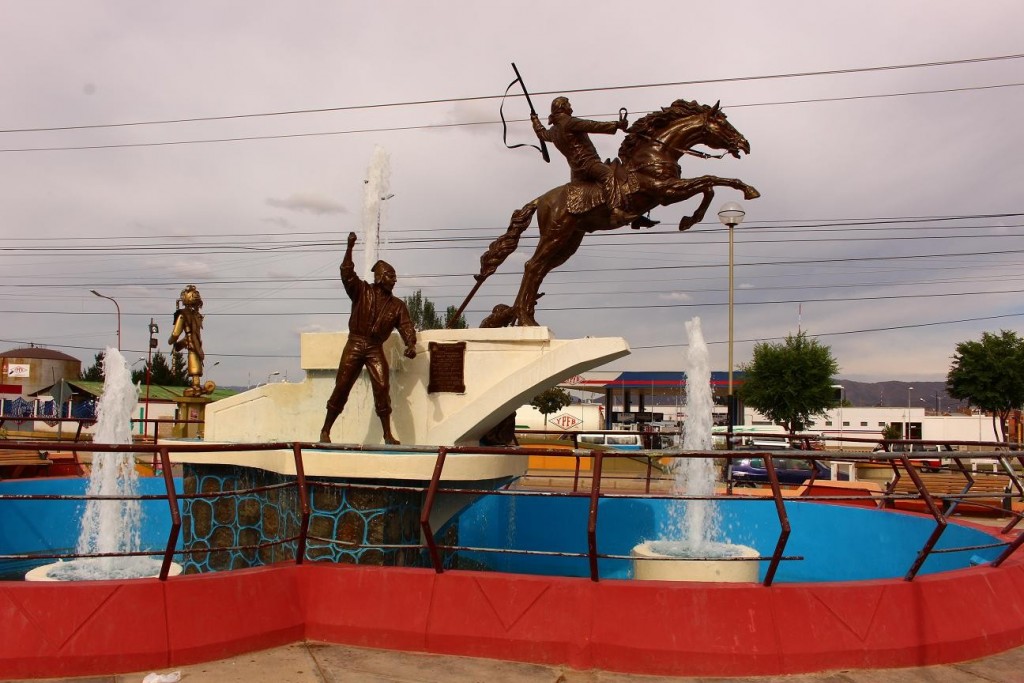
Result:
x=650 y=565
x=502 y=370
x=191 y=408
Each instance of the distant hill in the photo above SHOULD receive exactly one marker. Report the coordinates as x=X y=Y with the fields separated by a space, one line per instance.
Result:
x=928 y=395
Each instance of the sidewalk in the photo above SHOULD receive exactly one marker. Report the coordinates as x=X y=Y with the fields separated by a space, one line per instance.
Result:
x=324 y=663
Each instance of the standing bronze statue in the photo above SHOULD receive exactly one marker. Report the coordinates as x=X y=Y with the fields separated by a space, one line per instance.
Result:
x=375 y=313
x=645 y=175
x=188 y=334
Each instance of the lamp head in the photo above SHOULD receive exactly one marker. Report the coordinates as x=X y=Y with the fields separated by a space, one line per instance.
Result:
x=731 y=213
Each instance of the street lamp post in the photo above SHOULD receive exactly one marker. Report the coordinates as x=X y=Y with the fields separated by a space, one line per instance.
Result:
x=730 y=215
x=273 y=374
x=104 y=296
x=383 y=199
x=154 y=329
x=907 y=431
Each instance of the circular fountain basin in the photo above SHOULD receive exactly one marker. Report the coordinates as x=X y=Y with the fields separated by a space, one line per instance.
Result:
x=95 y=569
x=681 y=561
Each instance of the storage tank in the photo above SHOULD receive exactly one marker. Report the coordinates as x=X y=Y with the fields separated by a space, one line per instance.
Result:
x=35 y=368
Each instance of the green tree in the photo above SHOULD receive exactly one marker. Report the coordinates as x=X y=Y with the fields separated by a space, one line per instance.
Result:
x=424 y=314
x=892 y=432
x=551 y=401
x=421 y=310
x=459 y=324
x=173 y=374
x=94 y=373
x=790 y=383
x=989 y=374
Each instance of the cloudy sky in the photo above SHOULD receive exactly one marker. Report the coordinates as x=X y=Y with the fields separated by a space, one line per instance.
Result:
x=146 y=146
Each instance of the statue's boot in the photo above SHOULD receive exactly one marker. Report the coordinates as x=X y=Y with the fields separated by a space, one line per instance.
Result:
x=325 y=431
x=643 y=222
x=385 y=422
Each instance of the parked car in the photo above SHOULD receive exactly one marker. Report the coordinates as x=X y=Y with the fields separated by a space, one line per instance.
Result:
x=928 y=464
x=790 y=470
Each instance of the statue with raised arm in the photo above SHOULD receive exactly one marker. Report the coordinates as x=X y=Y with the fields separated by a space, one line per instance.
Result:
x=188 y=334
x=376 y=312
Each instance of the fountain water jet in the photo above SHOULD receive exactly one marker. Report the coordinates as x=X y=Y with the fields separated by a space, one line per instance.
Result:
x=375 y=193
x=701 y=557
x=109 y=526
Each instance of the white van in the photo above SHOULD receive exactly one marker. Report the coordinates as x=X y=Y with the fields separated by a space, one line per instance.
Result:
x=624 y=441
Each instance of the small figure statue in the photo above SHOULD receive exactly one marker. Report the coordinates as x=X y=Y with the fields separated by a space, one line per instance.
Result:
x=375 y=313
x=188 y=334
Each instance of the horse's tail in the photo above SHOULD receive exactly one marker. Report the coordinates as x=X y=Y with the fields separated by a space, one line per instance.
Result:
x=500 y=248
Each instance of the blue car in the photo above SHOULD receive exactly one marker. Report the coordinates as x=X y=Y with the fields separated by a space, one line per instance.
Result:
x=790 y=470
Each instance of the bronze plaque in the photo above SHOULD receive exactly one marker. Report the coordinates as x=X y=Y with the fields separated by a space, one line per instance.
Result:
x=447 y=368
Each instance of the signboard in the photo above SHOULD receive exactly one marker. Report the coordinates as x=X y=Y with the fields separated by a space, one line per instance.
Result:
x=447 y=368
x=565 y=421
x=22 y=370
x=638 y=417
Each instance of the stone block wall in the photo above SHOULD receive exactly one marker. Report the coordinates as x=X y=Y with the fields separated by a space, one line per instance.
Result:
x=358 y=525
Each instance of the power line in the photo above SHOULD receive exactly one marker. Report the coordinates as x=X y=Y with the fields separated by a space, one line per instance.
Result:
x=868 y=330
x=395 y=129
x=476 y=98
x=580 y=308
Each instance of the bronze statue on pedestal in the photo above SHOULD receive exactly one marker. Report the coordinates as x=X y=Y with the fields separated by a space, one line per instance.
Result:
x=603 y=196
x=188 y=334
x=375 y=313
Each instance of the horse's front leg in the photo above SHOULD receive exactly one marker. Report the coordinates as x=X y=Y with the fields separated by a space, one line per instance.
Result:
x=687 y=222
x=684 y=188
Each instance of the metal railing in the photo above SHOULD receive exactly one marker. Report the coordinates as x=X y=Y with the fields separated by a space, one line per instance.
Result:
x=1009 y=462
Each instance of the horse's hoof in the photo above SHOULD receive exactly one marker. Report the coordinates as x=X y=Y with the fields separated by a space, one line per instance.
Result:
x=751 y=193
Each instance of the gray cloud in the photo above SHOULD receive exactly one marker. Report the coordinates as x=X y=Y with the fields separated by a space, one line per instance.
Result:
x=308 y=203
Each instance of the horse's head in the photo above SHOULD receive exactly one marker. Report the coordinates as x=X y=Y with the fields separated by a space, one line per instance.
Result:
x=721 y=134
x=675 y=129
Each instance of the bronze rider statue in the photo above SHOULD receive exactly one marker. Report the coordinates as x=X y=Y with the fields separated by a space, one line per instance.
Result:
x=571 y=136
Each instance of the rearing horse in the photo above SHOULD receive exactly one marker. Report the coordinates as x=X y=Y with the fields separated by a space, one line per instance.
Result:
x=647 y=173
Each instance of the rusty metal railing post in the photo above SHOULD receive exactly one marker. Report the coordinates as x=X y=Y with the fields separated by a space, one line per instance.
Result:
x=300 y=482
x=428 y=504
x=172 y=501
x=576 y=475
x=780 y=508
x=595 y=496
x=1010 y=549
x=940 y=520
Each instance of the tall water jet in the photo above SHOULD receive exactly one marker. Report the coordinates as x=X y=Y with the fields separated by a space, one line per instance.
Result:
x=375 y=192
x=696 y=476
x=113 y=525
x=691 y=549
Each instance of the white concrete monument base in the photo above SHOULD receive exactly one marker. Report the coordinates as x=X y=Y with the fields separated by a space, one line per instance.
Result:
x=504 y=368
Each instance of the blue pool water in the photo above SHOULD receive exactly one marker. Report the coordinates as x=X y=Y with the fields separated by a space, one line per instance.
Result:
x=837 y=543
x=52 y=526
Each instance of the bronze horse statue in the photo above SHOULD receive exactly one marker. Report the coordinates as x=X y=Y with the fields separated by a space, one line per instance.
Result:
x=647 y=174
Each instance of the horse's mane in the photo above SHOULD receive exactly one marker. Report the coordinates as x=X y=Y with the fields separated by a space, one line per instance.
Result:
x=642 y=129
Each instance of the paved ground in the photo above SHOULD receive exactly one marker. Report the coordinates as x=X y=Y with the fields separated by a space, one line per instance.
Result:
x=323 y=663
